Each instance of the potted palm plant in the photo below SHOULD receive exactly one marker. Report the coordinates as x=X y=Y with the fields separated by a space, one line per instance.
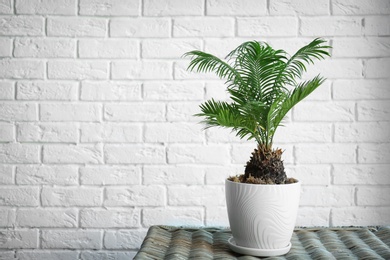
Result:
x=262 y=83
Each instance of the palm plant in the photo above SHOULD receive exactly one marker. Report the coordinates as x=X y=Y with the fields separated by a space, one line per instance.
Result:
x=263 y=87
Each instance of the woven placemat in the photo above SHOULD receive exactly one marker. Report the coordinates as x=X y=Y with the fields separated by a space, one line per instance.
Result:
x=166 y=242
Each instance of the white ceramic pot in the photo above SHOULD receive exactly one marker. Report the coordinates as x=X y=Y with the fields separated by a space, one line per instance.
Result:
x=262 y=216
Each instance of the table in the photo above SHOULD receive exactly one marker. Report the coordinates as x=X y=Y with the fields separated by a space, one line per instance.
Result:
x=176 y=243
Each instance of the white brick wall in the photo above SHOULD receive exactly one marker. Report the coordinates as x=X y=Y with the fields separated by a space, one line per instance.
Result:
x=97 y=137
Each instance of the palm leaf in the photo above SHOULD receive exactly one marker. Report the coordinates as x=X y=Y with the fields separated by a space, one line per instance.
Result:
x=289 y=101
x=205 y=62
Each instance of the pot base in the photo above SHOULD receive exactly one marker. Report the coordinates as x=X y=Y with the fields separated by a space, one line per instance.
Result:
x=256 y=251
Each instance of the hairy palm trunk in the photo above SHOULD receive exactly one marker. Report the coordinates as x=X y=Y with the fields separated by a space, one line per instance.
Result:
x=265 y=166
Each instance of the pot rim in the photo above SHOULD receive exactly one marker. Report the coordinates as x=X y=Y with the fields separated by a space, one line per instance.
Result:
x=268 y=185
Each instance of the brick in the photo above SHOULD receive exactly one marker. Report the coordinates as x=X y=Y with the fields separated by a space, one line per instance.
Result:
x=38 y=254
x=5 y=47
x=21 y=69
x=361 y=174
x=59 y=7
x=335 y=111
x=6 y=7
x=363 y=47
x=76 y=27
x=267 y=26
x=7 y=90
x=71 y=239
x=44 y=90
x=136 y=195
x=18 y=111
x=6 y=132
x=367 y=196
x=96 y=255
x=236 y=7
x=182 y=111
x=172 y=175
x=217 y=216
x=47 y=132
x=359 y=216
x=65 y=112
x=7 y=217
x=44 y=48
x=325 y=153
x=196 y=195
x=377 y=25
x=46 y=175
x=110 y=90
x=78 y=69
x=110 y=133
x=172 y=8
x=319 y=174
x=216 y=175
x=109 y=7
x=110 y=218
x=11 y=239
x=123 y=239
x=137 y=70
x=377 y=68
x=173 y=90
x=374 y=153
x=362 y=132
x=313 y=217
x=356 y=7
x=299 y=7
x=377 y=110
x=19 y=153
x=304 y=133
x=6 y=175
x=72 y=196
x=134 y=154
x=108 y=48
x=8 y=254
x=241 y=153
x=110 y=175
x=21 y=25
x=168 y=48
x=66 y=218
x=135 y=112
x=216 y=90
x=195 y=154
x=203 y=27
x=340 y=26
x=81 y=154
x=335 y=196
x=361 y=89
x=337 y=69
x=19 y=196
x=140 y=27
x=173 y=216
x=173 y=133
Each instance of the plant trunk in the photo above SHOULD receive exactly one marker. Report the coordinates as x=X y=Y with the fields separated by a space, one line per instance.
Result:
x=266 y=166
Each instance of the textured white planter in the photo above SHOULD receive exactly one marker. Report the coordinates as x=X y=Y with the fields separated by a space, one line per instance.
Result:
x=262 y=216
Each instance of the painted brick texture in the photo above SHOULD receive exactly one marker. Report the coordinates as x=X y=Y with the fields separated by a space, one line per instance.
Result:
x=97 y=135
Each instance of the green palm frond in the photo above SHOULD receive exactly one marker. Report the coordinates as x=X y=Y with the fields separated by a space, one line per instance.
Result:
x=205 y=62
x=223 y=114
x=296 y=65
x=257 y=77
x=299 y=93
